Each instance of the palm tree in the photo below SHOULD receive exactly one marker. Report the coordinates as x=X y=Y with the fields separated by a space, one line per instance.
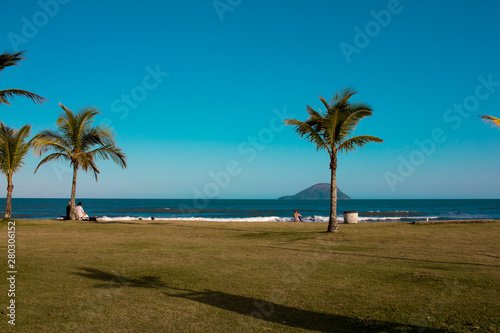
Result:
x=13 y=149
x=78 y=143
x=489 y=119
x=329 y=130
x=10 y=59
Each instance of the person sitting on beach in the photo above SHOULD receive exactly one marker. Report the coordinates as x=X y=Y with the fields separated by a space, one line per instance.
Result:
x=80 y=214
x=297 y=217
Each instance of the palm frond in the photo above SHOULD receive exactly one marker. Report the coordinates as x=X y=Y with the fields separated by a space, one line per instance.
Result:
x=50 y=140
x=111 y=152
x=52 y=157
x=75 y=128
x=13 y=148
x=338 y=111
x=94 y=169
x=5 y=95
x=324 y=102
x=86 y=161
x=313 y=113
x=351 y=118
x=21 y=147
x=5 y=147
x=10 y=59
x=309 y=133
x=491 y=120
x=341 y=97
x=357 y=142
x=104 y=134
x=85 y=117
x=67 y=125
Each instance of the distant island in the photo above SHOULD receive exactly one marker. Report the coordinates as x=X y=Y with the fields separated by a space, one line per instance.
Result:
x=316 y=192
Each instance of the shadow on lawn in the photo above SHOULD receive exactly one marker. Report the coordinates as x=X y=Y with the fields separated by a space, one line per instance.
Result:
x=116 y=280
x=386 y=257
x=255 y=308
x=290 y=316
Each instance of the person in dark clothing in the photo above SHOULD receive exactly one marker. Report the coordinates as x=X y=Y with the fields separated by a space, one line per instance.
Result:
x=68 y=211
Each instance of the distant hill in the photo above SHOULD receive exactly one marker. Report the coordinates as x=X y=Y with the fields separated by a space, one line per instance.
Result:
x=315 y=192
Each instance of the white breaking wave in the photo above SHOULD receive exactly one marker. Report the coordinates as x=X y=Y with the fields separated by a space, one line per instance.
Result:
x=231 y=219
x=315 y=218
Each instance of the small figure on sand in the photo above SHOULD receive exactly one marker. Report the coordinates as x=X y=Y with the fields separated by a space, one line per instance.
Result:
x=297 y=217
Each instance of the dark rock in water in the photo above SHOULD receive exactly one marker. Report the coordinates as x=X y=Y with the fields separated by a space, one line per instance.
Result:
x=316 y=192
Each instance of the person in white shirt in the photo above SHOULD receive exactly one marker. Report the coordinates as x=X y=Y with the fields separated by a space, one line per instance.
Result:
x=80 y=214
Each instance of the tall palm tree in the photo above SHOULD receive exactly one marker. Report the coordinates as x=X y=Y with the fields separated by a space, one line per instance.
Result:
x=78 y=143
x=13 y=149
x=11 y=59
x=330 y=130
x=489 y=119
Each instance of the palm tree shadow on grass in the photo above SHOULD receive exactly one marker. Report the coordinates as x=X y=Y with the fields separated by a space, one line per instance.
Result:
x=111 y=280
x=254 y=308
x=290 y=316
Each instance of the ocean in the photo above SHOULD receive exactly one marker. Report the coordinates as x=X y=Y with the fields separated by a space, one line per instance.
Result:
x=260 y=210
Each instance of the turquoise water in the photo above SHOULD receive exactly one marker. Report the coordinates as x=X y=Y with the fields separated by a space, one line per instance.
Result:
x=261 y=210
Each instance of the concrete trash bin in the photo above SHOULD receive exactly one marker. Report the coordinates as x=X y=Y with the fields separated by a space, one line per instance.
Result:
x=350 y=216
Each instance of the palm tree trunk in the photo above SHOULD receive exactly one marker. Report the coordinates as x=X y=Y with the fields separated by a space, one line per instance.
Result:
x=8 y=201
x=72 y=213
x=333 y=225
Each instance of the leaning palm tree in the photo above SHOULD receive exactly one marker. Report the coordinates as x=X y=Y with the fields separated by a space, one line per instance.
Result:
x=13 y=149
x=78 y=143
x=329 y=130
x=11 y=59
x=489 y=119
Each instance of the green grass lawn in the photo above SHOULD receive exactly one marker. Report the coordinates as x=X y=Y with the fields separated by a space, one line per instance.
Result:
x=157 y=276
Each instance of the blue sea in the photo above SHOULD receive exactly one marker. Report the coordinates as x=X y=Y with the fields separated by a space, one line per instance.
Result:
x=260 y=210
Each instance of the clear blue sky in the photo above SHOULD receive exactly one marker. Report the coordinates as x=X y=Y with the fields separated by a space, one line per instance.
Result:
x=196 y=92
